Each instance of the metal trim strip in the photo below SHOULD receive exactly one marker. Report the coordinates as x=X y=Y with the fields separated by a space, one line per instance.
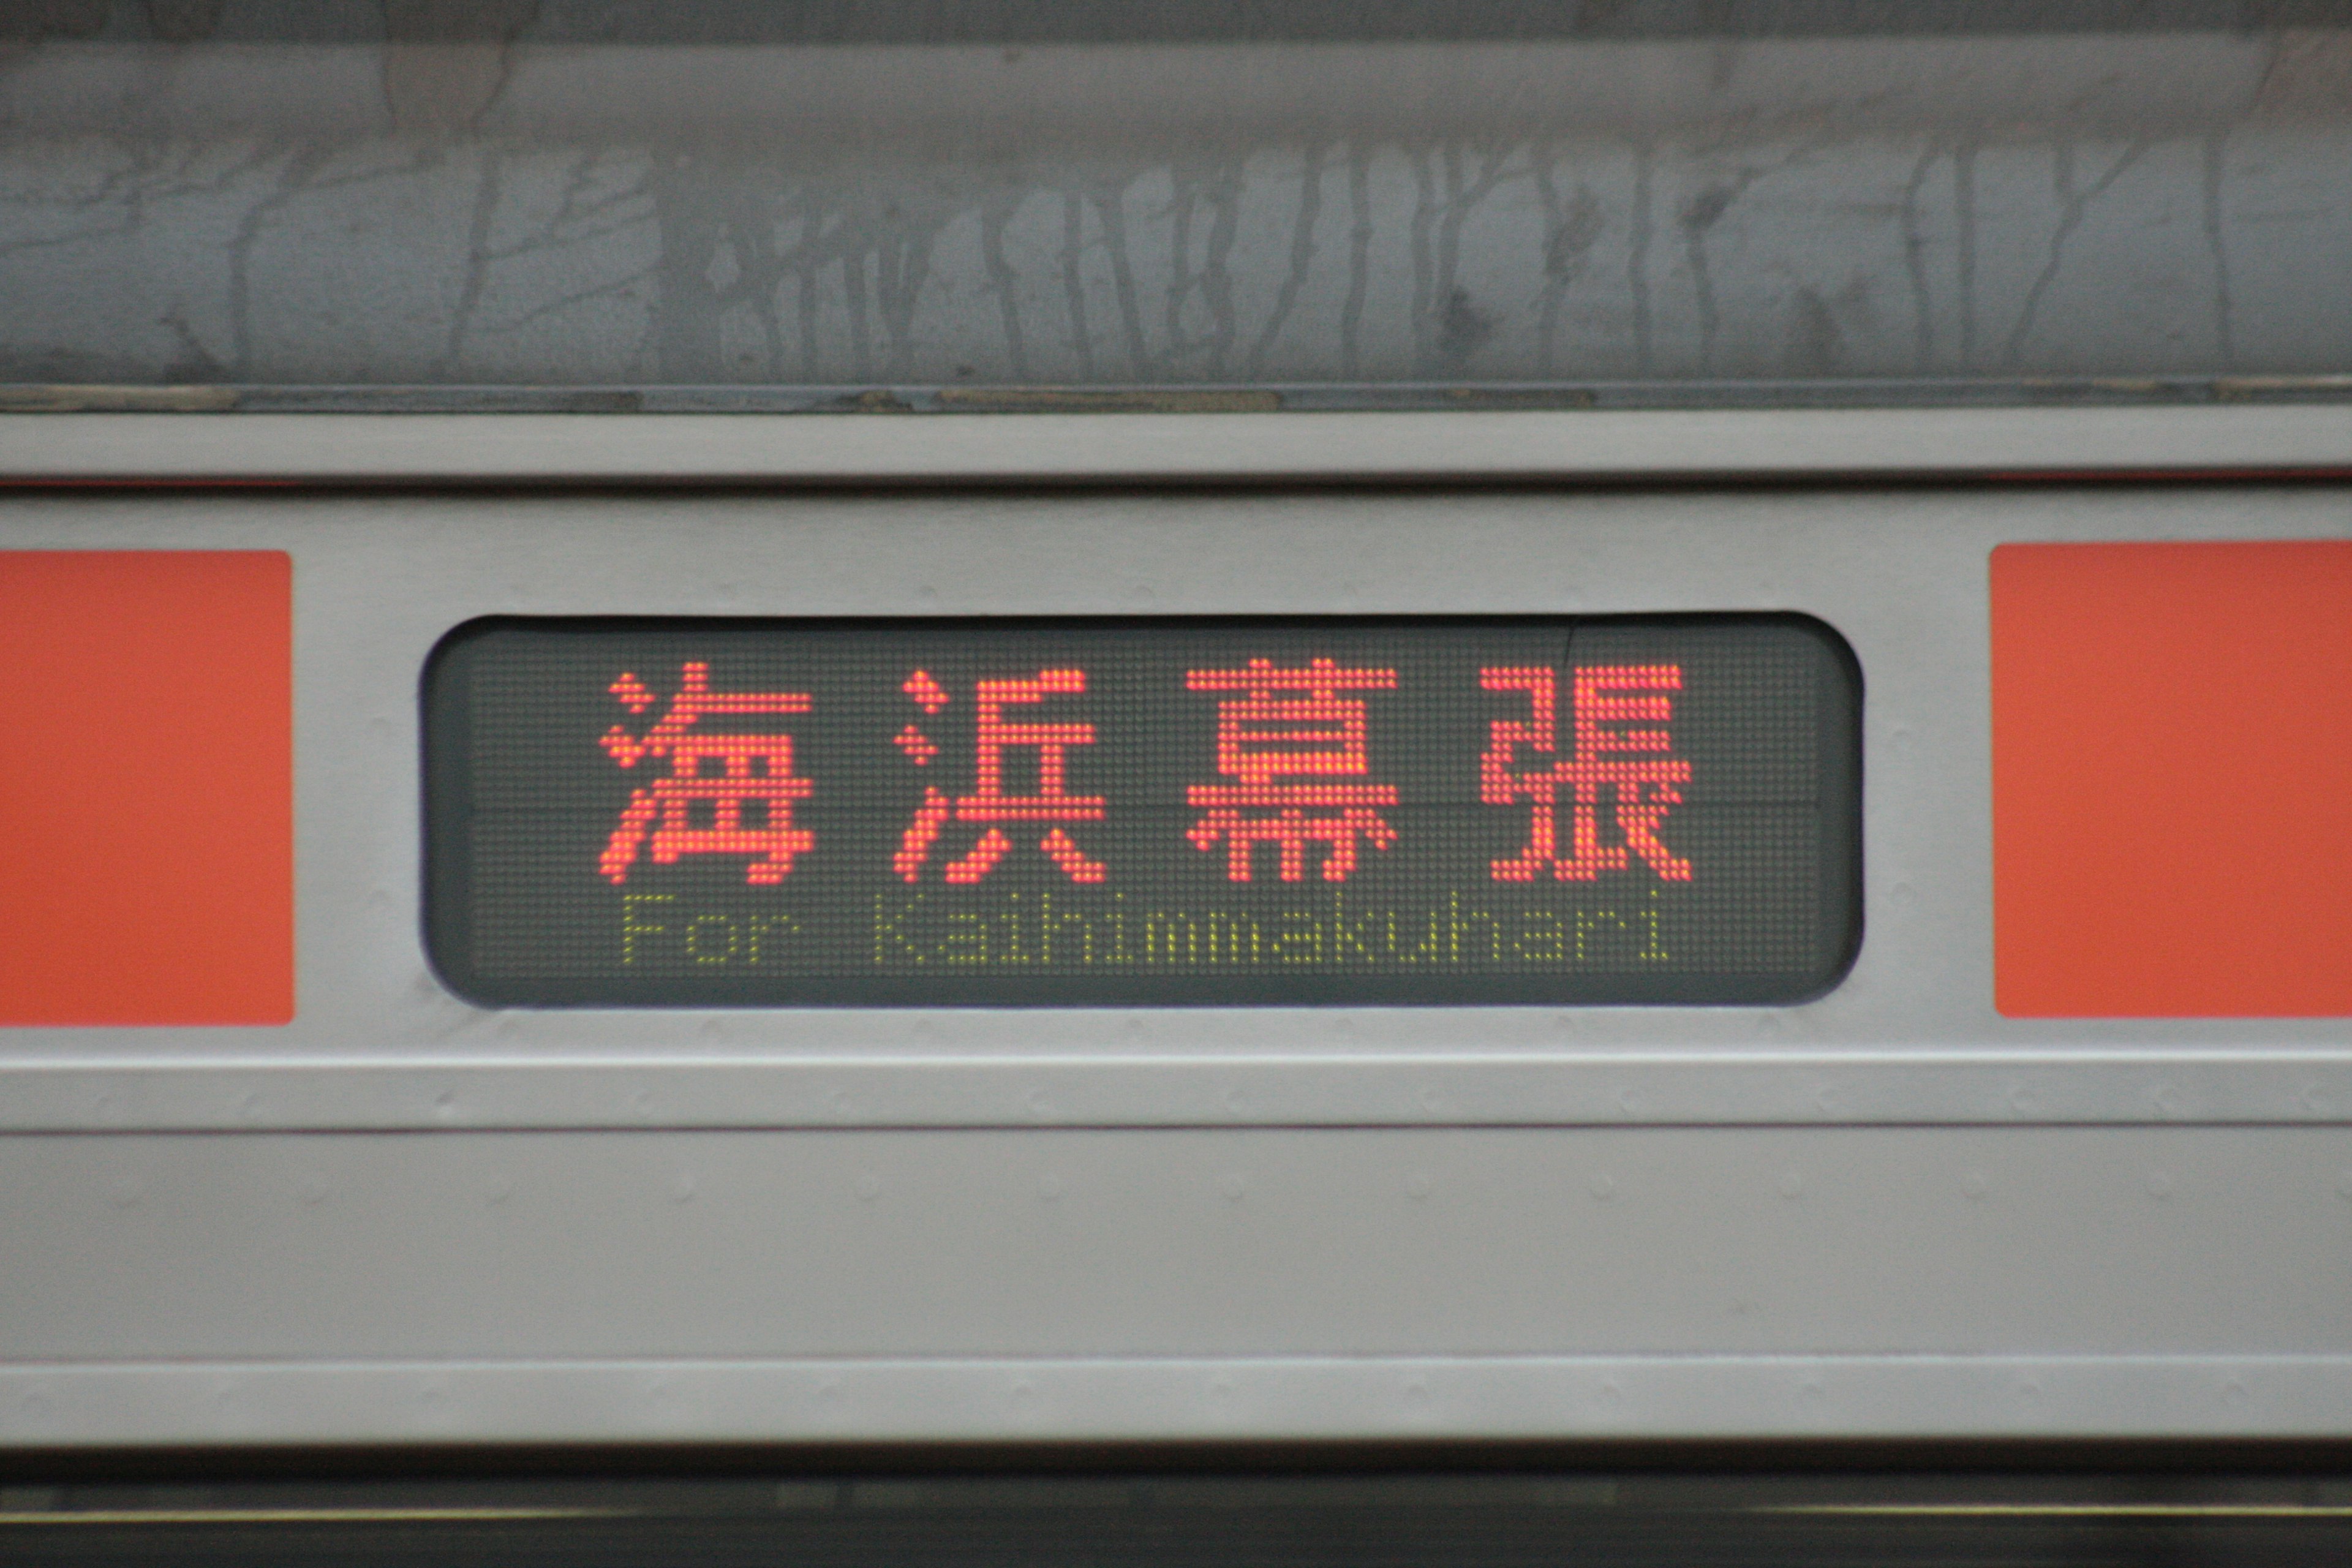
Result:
x=1700 y=1397
x=868 y=449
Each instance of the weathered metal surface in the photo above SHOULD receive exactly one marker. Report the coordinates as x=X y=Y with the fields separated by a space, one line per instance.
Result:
x=971 y=199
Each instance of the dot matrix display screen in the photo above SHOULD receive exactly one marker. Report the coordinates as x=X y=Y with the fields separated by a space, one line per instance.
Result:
x=1147 y=811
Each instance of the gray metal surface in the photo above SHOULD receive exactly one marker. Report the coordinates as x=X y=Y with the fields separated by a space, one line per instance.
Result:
x=1186 y=1244
x=983 y=197
x=1001 y=1286
x=1911 y=1035
x=1179 y=1285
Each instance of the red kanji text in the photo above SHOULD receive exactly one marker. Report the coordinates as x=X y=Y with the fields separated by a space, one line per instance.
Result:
x=725 y=794
x=988 y=804
x=1292 y=723
x=1605 y=752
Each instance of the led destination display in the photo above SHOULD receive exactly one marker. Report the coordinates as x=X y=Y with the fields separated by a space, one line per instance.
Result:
x=1143 y=811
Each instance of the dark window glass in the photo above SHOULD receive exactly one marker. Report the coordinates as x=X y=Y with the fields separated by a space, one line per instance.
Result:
x=598 y=204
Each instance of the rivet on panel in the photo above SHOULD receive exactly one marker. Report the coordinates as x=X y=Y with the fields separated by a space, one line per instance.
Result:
x=2159 y=1185
x=1793 y=1185
x=681 y=1187
x=1417 y=1186
x=1049 y=1189
x=1603 y=1188
x=501 y=1189
x=2344 y=1186
x=311 y=1191
x=127 y=1192
x=1976 y=1183
x=1233 y=1186
x=869 y=1187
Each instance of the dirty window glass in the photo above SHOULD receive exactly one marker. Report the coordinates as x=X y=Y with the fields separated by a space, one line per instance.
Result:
x=943 y=204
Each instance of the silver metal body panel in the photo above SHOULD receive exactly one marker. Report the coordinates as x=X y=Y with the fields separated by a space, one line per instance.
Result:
x=1889 y=1212
x=1193 y=1285
x=1911 y=1035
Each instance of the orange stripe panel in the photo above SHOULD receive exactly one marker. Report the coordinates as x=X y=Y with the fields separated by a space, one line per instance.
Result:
x=2172 y=780
x=147 y=818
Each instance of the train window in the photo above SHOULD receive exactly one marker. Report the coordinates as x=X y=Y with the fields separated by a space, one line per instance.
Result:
x=1144 y=811
x=584 y=206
